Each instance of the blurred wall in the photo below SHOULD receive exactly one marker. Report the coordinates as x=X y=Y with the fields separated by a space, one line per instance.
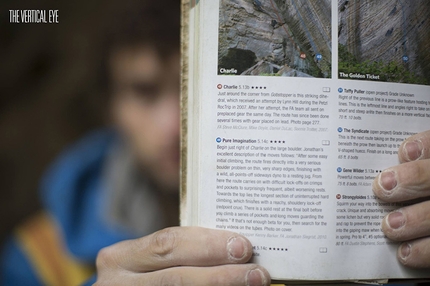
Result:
x=49 y=94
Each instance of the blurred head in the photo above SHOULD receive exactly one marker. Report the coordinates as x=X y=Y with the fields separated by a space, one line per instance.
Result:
x=143 y=63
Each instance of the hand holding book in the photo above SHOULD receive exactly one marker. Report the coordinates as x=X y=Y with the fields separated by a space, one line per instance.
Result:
x=200 y=256
x=181 y=256
x=163 y=255
x=409 y=181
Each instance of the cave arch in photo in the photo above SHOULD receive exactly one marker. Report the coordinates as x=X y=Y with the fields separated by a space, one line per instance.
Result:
x=239 y=59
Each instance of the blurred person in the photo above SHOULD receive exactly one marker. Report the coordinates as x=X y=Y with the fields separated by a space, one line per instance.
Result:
x=121 y=183
x=107 y=195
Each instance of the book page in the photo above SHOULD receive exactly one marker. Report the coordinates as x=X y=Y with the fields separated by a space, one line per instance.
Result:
x=300 y=105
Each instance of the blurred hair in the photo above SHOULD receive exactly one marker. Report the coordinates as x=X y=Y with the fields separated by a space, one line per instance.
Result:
x=144 y=22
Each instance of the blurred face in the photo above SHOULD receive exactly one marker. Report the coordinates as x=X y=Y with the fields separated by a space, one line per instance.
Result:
x=146 y=109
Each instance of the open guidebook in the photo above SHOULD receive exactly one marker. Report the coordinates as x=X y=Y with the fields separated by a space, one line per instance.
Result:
x=290 y=109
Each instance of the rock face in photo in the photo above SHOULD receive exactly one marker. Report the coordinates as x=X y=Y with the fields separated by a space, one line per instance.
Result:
x=275 y=37
x=387 y=31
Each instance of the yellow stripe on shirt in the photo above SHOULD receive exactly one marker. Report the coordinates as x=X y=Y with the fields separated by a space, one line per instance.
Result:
x=42 y=243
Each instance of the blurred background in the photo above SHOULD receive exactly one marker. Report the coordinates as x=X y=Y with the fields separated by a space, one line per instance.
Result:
x=50 y=94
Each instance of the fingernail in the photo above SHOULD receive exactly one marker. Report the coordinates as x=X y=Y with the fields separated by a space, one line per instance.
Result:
x=405 y=250
x=236 y=247
x=413 y=150
x=255 y=277
x=396 y=220
x=387 y=181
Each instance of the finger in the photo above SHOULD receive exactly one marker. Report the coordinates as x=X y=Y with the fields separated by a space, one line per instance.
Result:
x=416 y=147
x=403 y=182
x=177 y=246
x=229 y=275
x=408 y=223
x=415 y=253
